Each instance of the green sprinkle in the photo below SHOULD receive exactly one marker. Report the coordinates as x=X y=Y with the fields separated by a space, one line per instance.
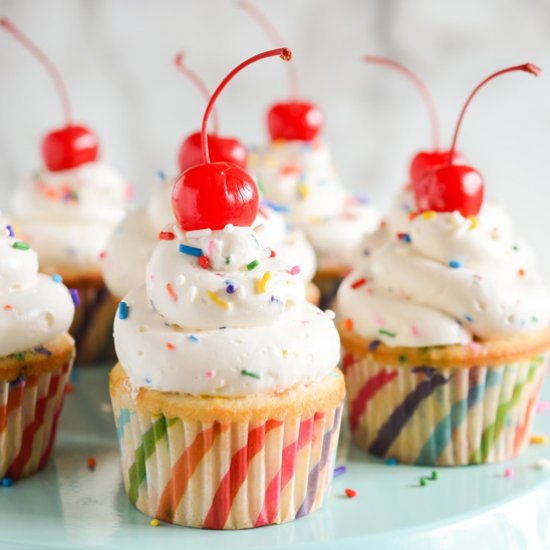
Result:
x=20 y=246
x=435 y=475
x=515 y=247
x=387 y=333
x=252 y=265
x=535 y=319
x=260 y=187
x=20 y=355
x=227 y=260
x=423 y=482
x=251 y=374
x=538 y=359
x=402 y=358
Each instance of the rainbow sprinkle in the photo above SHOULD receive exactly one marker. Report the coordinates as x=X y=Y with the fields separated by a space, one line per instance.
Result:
x=387 y=333
x=230 y=288
x=429 y=215
x=123 y=310
x=295 y=270
x=204 y=262
x=10 y=231
x=359 y=283
x=166 y=236
x=473 y=222
x=261 y=285
x=455 y=264
x=351 y=493
x=338 y=471
x=252 y=265
x=405 y=237
x=374 y=345
x=193 y=338
x=75 y=296
x=7 y=481
x=250 y=374
x=190 y=250
x=56 y=278
x=171 y=292
x=169 y=345
x=18 y=245
x=218 y=301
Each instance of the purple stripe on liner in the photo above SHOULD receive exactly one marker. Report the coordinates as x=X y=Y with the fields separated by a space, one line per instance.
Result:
x=313 y=479
x=389 y=432
x=44 y=351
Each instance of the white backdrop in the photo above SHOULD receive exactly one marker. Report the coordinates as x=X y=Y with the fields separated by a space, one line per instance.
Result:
x=116 y=56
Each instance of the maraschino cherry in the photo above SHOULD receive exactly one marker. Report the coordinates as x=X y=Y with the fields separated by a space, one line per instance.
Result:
x=295 y=119
x=423 y=161
x=458 y=187
x=72 y=145
x=221 y=148
x=214 y=194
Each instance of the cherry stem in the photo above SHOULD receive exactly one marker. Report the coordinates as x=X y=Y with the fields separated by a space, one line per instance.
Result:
x=284 y=53
x=46 y=62
x=422 y=88
x=273 y=34
x=199 y=84
x=526 y=67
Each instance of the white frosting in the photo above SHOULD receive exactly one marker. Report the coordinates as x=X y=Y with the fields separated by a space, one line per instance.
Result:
x=67 y=216
x=34 y=309
x=132 y=242
x=454 y=281
x=300 y=176
x=227 y=329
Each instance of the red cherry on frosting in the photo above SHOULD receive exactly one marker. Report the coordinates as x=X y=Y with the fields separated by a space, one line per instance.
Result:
x=213 y=194
x=221 y=150
x=426 y=161
x=456 y=187
x=289 y=120
x=294 y=120
x=69 y=147
x=72 y=145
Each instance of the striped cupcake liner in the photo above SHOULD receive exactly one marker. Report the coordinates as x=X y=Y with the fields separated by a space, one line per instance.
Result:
x=216 y=475
x=92 y=327
x=29 y=413
x=446 y=417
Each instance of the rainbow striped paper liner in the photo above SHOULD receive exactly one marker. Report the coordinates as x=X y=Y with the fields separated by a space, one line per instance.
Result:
x=445 y=417
x=29 y=413
x=92 y=327
x=226 y=476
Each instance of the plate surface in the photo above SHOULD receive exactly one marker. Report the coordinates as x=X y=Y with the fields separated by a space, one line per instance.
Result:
x=68 y=506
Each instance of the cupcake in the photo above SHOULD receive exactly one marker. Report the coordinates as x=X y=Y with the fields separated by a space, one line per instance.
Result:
x=226 y=396
x=66 y=211
x=295 y=170
x=132 y=242
x=446 y=332
x=36 y=356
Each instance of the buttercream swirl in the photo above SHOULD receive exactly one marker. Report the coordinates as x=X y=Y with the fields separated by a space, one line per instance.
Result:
x=449 y=280
x=67 y=216
x=220 y=315
x=35 y=308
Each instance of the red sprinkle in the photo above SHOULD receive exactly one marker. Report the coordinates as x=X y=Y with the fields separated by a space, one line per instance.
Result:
x=91 y=463
x=7 y=306
x=412 y=215
x=166 y=236
x=358 y=283
x=102 y=255
x=169 y=345
x=171 y=292
x=69 y=388
x=350 y=493
x=272 y=254
x=204 y=262
x=521 y=272
x=349 y=324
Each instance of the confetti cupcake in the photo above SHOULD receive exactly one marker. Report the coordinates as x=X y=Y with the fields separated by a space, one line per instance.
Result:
x=226 y=397
x=66 y=211
x=36 y=355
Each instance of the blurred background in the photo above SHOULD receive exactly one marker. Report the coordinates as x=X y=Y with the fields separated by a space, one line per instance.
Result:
x=116 y=57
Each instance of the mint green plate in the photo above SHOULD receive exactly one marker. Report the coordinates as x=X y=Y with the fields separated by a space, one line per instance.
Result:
x=69 y=506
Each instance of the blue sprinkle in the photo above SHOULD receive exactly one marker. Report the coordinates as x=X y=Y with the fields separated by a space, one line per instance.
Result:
x=56 y=278
x=7 y=481
x=275 y=206
x=191 y=250
x=406 y=238
x=339 y=471
x=222 y=328
x=374 y=345
x=10 y=230
x=123 y=310
x=230 y=288
x=161 y=175
x=455 y=264
x=469 y=318
x=42 y=350
x=391 y=461
x=148 y=381
x=75 y=296
x=193 y=338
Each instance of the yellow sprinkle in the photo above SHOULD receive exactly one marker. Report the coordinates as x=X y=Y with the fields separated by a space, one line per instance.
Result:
x=285 y=352
x=220 y=303
x=538 y=439
x=155 y=523
x=261 y=285
x=289 y=304
x=473 y=222
x=303 y=190
x=428 y=215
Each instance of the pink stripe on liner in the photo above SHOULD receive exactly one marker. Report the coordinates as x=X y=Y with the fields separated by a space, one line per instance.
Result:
x=235 y=476
x=366 y=393
x=271 y=505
